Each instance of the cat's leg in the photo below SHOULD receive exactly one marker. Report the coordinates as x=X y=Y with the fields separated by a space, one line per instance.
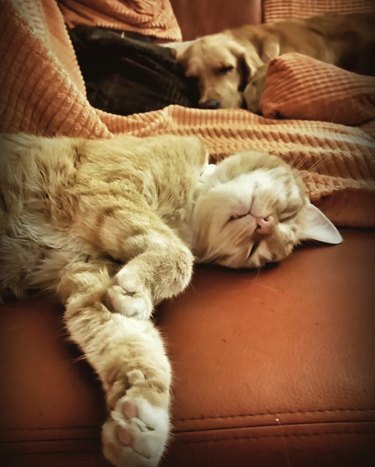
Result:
x=158 y=264
x=129 y=357
x=162 y=269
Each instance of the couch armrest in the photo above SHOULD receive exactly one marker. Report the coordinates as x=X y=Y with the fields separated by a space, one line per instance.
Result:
x=200 y=17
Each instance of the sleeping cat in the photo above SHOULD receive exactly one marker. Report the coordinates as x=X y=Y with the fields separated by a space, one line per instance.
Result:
x=112 y=227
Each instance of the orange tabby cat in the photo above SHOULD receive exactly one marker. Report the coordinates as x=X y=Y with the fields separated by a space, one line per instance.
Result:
x=112 y=227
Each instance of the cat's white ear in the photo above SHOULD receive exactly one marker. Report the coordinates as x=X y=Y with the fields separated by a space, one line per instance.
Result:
x=318 y=227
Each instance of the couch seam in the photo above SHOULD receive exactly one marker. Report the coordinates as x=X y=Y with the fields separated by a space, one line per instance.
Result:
x=88 y=427
x=52 y=440
x=93 y=427
x=294 y=435
x=369 y=410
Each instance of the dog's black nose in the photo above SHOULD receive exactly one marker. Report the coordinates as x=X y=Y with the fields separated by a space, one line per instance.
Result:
x=210 y=104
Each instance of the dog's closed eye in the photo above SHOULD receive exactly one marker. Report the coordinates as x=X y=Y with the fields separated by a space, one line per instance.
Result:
x=223 y=70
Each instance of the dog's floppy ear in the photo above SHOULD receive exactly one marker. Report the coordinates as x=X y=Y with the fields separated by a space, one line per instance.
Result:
x=270 y=49
x=245 y=71
x=245 y=64
x=178 y=48
x=253 y=91
x=249 y=62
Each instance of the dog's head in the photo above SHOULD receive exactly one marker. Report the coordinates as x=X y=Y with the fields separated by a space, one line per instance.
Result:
x=222 y=67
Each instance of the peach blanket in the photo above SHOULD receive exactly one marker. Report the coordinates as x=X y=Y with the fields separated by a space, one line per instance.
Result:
x=42 y=92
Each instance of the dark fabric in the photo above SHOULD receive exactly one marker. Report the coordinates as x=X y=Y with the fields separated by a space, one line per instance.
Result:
x=126 y=73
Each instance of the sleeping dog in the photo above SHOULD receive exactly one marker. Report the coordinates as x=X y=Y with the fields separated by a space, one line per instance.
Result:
x=230 y=67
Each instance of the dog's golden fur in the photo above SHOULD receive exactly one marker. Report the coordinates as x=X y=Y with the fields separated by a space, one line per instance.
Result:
x=226 y=63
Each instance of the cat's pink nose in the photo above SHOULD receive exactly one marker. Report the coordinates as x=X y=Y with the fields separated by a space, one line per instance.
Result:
x=265 y=225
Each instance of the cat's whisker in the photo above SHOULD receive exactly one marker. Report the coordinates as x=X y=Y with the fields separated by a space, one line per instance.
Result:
x=297 y=165
x=314 y=166
x=292 y=162
x=258 y=271
x=268 y=287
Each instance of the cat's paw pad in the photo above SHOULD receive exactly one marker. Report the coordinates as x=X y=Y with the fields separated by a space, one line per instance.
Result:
x=132 y=304
x=135 y=434
x=129 y=297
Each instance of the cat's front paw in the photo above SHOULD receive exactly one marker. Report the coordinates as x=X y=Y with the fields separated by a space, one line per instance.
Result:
x=135 y=433
x=129 y=297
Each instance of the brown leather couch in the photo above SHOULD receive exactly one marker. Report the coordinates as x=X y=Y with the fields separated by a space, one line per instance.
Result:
x=272 y=368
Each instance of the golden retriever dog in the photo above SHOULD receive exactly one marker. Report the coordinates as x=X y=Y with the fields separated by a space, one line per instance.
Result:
x=231 y=66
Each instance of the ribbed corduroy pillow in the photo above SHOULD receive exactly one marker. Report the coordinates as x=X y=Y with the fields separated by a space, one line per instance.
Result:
x=301 y=87
x=153 y=18
x=275 y=10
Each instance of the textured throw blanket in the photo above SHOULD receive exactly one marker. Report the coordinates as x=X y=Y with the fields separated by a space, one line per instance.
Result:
x=43 y=92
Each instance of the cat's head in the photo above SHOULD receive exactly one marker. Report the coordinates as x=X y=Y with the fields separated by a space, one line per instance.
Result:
x=252 y=209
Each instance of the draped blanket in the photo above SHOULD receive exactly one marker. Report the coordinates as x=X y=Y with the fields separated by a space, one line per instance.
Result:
x=42 y=92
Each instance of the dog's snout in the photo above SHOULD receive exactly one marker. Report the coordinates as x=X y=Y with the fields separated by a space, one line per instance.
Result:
x=210 y=104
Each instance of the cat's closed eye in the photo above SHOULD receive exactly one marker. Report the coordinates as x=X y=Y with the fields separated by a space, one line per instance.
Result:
x=286 y=217
x=236 y=216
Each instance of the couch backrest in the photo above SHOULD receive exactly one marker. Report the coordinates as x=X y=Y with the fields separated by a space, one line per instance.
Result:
x=199 y=17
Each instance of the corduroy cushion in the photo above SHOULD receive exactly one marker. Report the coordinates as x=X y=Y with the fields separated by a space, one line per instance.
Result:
x=149 y=17
x=301 y=87
x=275 y=10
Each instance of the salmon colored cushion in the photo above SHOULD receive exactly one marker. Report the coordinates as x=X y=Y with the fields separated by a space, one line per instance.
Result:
x=301 y=87
x=153 y=18
x=275 y=10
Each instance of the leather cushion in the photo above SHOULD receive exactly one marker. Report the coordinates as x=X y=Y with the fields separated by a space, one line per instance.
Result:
x=278 y=364
x=271 y=367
